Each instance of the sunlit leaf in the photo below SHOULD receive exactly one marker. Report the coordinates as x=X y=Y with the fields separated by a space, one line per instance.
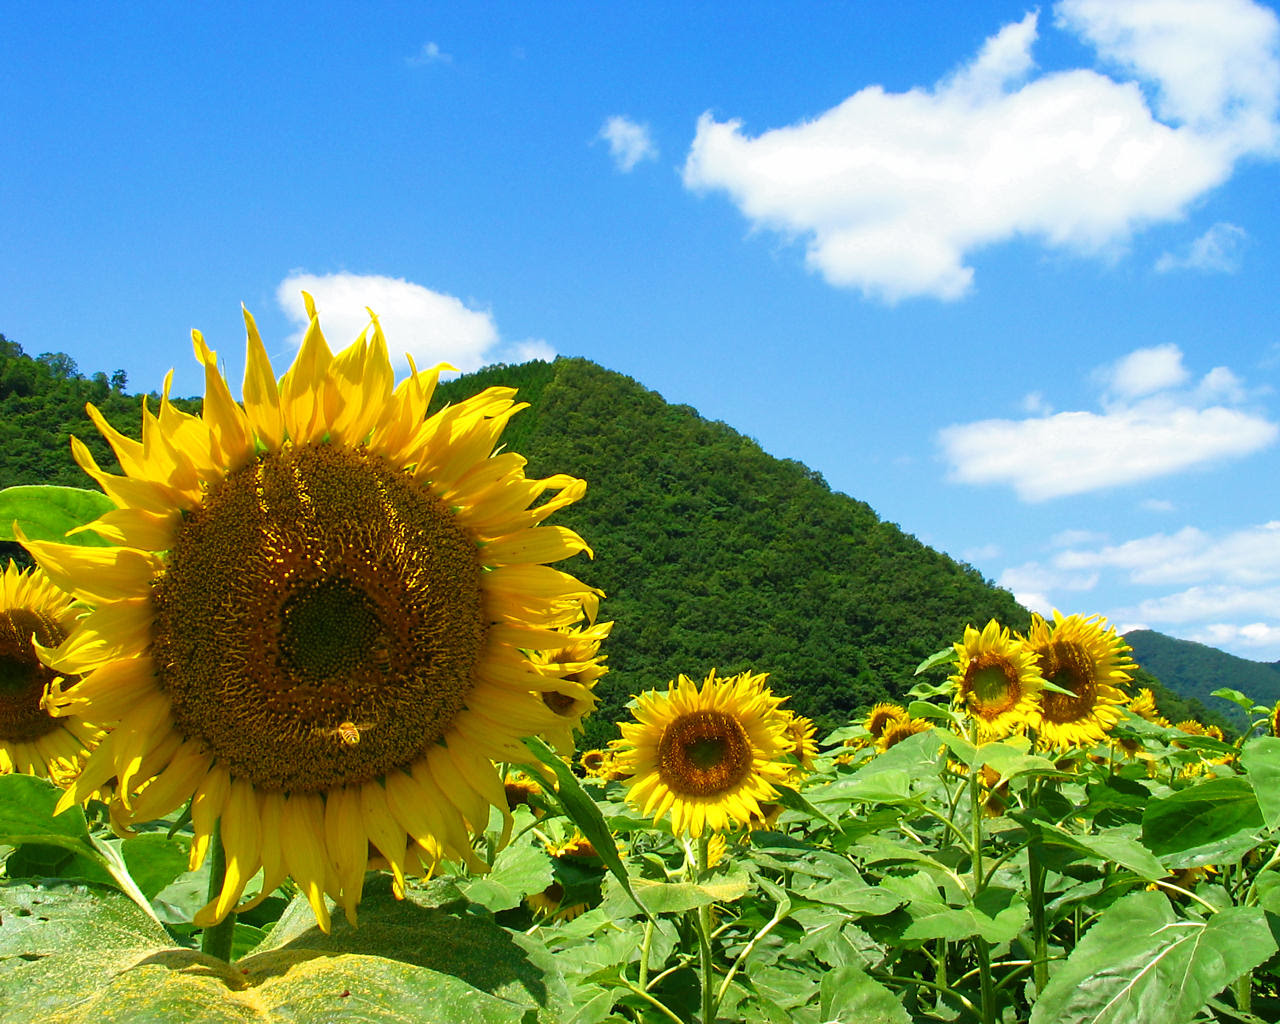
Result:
x=848 y=995
x=1261 y=761
x=45 y=512
x=1140 y=963
x=1203 y=824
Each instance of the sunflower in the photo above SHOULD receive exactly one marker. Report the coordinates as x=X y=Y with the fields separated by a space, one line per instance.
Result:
x=1273 y=719
x=1144 y=706
x=574 y=668
x=32 y=742
x=997 y=681
x=1083 y=656
x=800 y=733
x=881 y=716
x=313 y=618
x=707 y=754
x=896 y=732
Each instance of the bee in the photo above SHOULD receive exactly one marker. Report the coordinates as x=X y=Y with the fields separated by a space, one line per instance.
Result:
x=380 y=654
x=348 y=733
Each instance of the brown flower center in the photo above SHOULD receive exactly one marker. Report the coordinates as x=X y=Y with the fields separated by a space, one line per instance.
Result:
x=704 y=753
x=993 y=686
x=319 y=619
x=1067 y=664
x=22 y=676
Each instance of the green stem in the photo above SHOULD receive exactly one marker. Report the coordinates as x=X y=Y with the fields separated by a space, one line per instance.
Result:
x=216 y=939
x=644 y=953
x=980 y=944
x=1243 y=989
x=1039 y=919
x=704 y=940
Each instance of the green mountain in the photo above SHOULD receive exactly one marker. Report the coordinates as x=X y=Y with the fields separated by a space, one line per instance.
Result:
x=1196 y=670
x=713 y=554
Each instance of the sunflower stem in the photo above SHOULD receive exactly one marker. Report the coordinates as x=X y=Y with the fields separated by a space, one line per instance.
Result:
x=704 y=939
x=216 y=940
x=980 y=944
x=1039 y=919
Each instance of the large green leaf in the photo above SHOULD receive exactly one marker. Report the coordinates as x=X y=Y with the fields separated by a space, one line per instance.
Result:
x=848 y=995
x=1208 y=823
x=1114 y=845
x=676 y=897
x=84 y=955
x=47 y=513
x=1261 y=760
x=1140 y=963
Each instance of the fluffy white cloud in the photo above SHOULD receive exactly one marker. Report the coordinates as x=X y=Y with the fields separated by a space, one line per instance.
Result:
x=1209 y=604
x=892 y=191
x=1248 y=556
x=1227 y=635
x=629 y=142
x=1148 y=428
x=1144 y=371
x=1218 y=249
x=430 y=326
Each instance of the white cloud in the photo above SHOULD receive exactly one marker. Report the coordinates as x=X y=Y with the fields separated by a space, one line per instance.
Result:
x=1248 y=556
x=1218 y=249
x=1227 y=635
x=1032 y=583
x=892 y=192
x=629 y=142
x=1209 y=604
x=1147 y=429
x=429 y=54
x=430 y=326
x=1144 y=371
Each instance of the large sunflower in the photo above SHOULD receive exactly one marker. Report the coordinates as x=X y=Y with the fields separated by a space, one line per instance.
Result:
x=1086 y=657
x=314 y=618
x=32 y=742
x=997 y=681
x=707 y=754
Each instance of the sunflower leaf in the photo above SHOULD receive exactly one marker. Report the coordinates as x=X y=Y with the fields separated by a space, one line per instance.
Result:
x=584 y=813
x=946 y=656
x=46 y=512
x=1261 y=761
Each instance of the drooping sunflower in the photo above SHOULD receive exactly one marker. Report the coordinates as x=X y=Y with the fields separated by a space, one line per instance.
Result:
x=575 y=668
x=1086 y=657
x=997 y=681
x=32 y=742
x=709 y=755
x=314 y=618
x=801 y=734
x=897 y=731
x=882 y=715
x=1144 y=706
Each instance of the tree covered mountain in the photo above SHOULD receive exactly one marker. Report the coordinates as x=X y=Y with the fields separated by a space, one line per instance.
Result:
x=1196 y=670
x=713 y=553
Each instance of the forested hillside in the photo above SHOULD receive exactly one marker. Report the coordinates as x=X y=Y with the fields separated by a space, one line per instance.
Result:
x=715 y=554
x=712 y=553
x=1196 y=670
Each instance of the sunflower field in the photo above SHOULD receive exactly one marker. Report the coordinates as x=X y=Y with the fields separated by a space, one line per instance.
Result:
x=288 y=722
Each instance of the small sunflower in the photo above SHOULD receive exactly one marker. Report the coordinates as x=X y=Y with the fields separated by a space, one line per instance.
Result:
x=1273 y=720
x=881 y=716
x=32 y=742
x=313 y=619
x=1086 y=657
x=1144 y=706
x=574 y=668
x=801 y=733
x=709 y=755
x=997 y=681
x=898 y=731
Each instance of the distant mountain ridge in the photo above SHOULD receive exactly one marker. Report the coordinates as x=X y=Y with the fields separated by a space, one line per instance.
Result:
x=1196 y=670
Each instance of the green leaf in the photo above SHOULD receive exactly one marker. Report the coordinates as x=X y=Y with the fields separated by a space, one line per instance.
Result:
x=47 y=513
x=943 y=657
x=582 y=811
x=1261 y=761
x=848 y=995
x=794 y=801
x=1110 y=845
x=26 y=815
x=519 y=870
x=887 y=778
x=677 y=897
x=1203 y=824
x=155 y=860
x=1139 y=963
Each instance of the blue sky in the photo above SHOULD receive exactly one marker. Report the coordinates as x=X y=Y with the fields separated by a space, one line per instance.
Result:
x=1009 y=274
